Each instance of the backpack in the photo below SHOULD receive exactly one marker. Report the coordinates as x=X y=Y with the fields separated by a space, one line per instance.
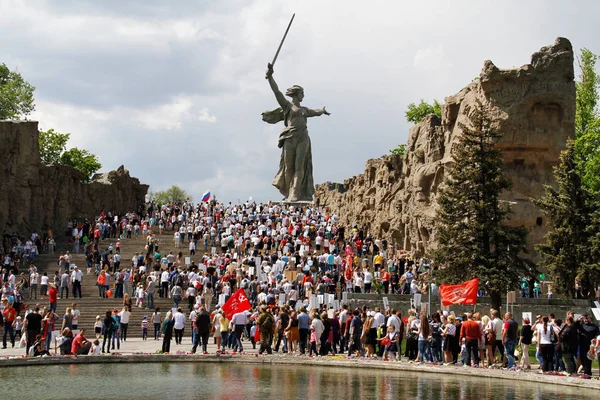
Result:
x=178 y=280
x=114 y=326
x=268 y=323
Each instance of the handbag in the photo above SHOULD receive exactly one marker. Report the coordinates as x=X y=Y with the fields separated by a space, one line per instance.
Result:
x=553 y=337
x=491 y=338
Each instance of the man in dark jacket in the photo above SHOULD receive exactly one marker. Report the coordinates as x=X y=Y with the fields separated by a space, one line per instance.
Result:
x=569 y=343
x=202 y=330
x=587 y=331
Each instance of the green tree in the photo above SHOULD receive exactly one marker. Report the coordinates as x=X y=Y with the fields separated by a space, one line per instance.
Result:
x=416 y=113
x=474 y=240
x=52 y=145
x=587 y=121
x=400 y=150
x=567 y=248
x=16 y=95
x=82 y=160
x=174 y=194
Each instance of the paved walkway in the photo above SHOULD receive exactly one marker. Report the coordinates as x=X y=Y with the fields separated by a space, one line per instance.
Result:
x=137 y=345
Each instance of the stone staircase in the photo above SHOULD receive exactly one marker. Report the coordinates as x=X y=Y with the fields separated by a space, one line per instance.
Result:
x=91 y=304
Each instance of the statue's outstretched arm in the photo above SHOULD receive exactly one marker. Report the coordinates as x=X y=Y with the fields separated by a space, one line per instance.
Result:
x=278 y=95
x=317 y=112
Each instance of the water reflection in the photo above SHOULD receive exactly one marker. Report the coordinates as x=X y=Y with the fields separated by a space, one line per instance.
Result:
x=235 y=381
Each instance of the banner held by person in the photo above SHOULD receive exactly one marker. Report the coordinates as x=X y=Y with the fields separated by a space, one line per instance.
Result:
x=238 y=302
x=464 y=293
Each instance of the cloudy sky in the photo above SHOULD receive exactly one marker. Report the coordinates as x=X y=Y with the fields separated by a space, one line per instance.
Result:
x=174 y=89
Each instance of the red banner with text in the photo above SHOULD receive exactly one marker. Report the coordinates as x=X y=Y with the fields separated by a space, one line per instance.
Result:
x=238 y=302
x=464 y=293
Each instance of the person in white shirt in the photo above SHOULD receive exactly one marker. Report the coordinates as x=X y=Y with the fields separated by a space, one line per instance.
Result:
x=164 y=284
x=358 y=282
x=178 y=325
x=33 y=282
x=124 y=314
x=318 y=326
x=96 y=349
x=368 y=280
x=379 y=318
x=76 y=277
x=238 y=322
x=545 y=332
x=44 y=285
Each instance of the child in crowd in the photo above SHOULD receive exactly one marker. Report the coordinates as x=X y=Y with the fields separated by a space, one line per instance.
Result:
x=389 y=343
x=463 y=352
x=96 y=349
x=18 y=327
x=145 y=328
x=140 y=296
x=313 y=341
x=98 y=327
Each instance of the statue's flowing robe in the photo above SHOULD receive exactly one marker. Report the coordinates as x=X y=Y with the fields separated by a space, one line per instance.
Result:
x=294 y=180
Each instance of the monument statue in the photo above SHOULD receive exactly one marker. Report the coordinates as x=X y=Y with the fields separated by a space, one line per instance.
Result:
x=295 y=176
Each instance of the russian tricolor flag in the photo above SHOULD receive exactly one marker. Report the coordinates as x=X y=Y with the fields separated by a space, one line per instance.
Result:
x=206 y=196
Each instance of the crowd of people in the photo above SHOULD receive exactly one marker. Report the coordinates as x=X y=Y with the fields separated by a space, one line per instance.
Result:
x=281 y=256
x=469 y=340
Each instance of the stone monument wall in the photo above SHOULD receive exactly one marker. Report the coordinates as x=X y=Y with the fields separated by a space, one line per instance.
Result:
x=34 y=196
x=532 y=106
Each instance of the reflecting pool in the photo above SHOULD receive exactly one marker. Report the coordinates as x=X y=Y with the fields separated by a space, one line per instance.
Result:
x=226 y=381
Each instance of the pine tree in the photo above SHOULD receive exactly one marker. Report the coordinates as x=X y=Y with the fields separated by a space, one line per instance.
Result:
x=473 y=238
x=567 y=252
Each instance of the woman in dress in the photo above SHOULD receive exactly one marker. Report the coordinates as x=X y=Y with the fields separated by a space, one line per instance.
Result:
x=293 y=332
x=489 y=334
x=295 y=176
x=208 y=296
x=448 y=333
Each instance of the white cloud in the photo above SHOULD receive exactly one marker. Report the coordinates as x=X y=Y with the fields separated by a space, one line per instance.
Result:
x=431 y=58
x=206 y=116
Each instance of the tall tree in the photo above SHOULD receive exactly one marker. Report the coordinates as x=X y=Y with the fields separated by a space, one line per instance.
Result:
x=16 y=95
x=52 y=145
x=416 y=112
x=474 y=239
x=82 y=160
x=587 y=121
x=174 y=194
x=567 y=249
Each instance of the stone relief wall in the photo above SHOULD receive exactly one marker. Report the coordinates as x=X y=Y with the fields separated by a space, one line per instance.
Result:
x=34 y=196
x=532 y=106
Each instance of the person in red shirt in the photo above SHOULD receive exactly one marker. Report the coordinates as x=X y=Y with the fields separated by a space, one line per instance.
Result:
x=471 y=331
x=385 y=278
x=10 y=314
x=80 y=345
x=52 y=295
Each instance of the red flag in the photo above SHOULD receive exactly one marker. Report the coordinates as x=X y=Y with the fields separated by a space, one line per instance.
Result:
x=238 y=302
x=465 y=293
